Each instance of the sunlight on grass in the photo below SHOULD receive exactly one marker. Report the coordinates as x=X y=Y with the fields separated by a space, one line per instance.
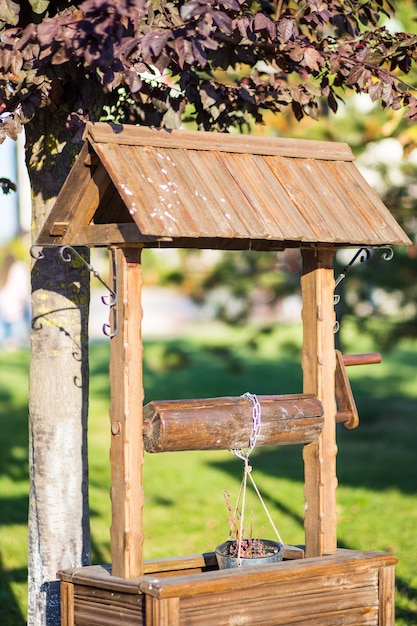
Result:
x=184 y=505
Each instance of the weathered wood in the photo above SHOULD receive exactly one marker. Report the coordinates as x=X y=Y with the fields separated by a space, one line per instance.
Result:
x=318 y=363
x=387 y=596
x=67 y=604
x=162 y=613
x=93 y=190
x=347 y=587
x=361 y=359
x=100 y=576
x=341 y=565
x=224 y=423
x=347 y=412
x=126 y=453
x=197 y=140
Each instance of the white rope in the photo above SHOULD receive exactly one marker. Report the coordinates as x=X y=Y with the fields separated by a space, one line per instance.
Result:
x=241 y=500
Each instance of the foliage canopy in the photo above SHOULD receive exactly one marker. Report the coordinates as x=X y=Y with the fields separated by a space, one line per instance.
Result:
x=219 y=63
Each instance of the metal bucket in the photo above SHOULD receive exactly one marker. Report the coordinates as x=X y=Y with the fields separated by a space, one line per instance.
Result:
x=224 y=560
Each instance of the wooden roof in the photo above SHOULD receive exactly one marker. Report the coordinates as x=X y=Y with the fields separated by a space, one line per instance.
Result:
x=179 y=188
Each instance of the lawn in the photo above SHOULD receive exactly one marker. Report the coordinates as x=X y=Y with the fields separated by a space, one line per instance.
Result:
x=184 y=508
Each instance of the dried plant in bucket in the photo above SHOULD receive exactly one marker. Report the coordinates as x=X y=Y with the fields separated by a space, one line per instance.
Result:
x=242 y=548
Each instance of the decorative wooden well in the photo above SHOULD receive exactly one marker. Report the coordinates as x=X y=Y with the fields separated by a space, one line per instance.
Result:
x=133 y=188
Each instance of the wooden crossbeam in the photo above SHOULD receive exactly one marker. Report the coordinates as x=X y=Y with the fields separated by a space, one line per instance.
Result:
x=224 y=423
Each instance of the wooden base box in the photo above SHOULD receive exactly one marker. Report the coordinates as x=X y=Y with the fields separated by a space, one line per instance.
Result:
x=348 y=587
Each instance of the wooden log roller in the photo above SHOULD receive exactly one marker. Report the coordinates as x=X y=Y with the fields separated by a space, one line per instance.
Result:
x=223 y=423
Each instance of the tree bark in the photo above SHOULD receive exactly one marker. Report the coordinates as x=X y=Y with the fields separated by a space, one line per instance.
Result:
x=58 y=386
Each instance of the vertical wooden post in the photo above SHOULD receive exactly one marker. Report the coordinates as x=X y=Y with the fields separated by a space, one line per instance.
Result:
x=126 y=401
x=387 y=596
x=318 y=363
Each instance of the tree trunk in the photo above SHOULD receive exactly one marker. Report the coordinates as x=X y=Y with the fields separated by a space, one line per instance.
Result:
x=58 y=393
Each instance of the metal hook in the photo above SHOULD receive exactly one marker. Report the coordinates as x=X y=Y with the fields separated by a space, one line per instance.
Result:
x=36 y=255
x=389 y=254
x=111 y=300
x=364 y=254
x=108 y=300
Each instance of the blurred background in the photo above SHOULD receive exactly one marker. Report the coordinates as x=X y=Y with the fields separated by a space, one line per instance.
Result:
x=222 y=324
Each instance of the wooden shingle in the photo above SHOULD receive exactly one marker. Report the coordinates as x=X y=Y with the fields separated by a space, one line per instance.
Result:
x=196 y=189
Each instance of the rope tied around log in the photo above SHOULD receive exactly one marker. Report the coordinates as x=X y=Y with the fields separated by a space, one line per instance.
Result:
x=244 y=456
x=256 y=427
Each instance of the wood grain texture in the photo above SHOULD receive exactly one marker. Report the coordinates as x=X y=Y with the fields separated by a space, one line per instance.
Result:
x=224 y=423
x=206 y=141
x=361 y=359
x=213 y=187
x=387 y=596
x=346 y=405
x=67 y=604
x=126 y=399
x=348 y=587
x=162 y=613
x=318 y=364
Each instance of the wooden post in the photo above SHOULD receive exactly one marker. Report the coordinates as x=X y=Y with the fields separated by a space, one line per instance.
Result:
x=318 y=363
x=126 y=401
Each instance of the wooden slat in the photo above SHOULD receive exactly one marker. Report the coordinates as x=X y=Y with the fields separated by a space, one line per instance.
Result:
x=126 y=400
x=352 y=600
x=346 y=405
x=370 y=209
x=93 y=610
x=90 y=200
x=224 y=423
x=215 y=184
x=162 y=612
x=318 y=363
x=198 y=140
x=387 y=596
x=342 y=563
x=100 y=575
x=67 y=604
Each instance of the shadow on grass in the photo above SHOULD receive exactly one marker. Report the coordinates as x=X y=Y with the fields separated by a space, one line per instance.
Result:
x=10 y=612
x=378 y=455
x=386 y=435
x=405 y=596
x=13 y=470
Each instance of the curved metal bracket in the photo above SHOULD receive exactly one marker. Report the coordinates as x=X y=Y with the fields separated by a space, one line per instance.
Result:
x=363 y=254
x=67 y=253
x=110 y=300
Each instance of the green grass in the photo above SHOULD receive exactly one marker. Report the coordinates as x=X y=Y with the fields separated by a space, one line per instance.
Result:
x=184 y=508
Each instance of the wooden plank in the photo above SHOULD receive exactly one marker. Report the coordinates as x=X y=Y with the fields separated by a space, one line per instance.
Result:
x=162 y=612
x=126 y=398
x=387 y=596
x=224 y=423
x=100 y=575
x=67 y=604
x=318 y=363
x=352 y=600
x=220 y=198
x=346 y=405
x=107 y=611
x=335 y=565
x=69 y=199
x=93 y=190
x=382 y=224
x=100 y=132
